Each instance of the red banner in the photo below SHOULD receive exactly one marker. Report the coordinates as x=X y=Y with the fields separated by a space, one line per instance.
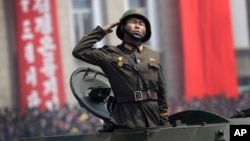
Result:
x=39 y=61
x=208 y=53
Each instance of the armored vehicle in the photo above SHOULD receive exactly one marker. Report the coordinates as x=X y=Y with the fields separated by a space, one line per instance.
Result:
x=91 y=88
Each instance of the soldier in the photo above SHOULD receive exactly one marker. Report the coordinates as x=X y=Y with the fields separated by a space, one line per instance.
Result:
x=133 y=70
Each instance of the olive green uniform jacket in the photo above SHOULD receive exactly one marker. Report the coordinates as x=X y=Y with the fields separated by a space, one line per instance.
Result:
x=124 y=80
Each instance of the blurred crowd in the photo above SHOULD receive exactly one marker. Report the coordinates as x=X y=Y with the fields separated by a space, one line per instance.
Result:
x=219 y=105
x=76 y=120
x=62 y=121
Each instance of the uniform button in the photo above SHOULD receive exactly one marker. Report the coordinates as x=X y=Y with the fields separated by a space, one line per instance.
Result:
x=138 y=60
x=139 y=111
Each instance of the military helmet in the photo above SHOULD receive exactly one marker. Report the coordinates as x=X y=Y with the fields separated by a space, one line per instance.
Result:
x=135 y=12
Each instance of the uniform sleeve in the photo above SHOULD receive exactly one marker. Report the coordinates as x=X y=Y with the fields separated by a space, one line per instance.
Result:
x=84 y=48
x=162 y=97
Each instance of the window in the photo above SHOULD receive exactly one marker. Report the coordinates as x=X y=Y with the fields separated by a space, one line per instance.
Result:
x=81 y=18
x=86 y=14
x=137 y=3
x=244 y=84
x=240 y=11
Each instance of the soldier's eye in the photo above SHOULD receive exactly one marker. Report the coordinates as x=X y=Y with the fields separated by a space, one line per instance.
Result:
x=132 y=21
x=142 y=23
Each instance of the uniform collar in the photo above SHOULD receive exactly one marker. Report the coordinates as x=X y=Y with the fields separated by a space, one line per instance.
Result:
x=131 y=48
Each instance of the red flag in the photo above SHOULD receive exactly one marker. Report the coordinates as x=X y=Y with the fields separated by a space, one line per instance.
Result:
x=208 y=53
x=39 y=61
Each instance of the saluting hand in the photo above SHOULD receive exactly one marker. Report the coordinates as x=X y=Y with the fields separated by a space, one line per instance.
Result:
x=108 y=28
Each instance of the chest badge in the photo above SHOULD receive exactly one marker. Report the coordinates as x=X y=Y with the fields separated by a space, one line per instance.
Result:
x=120 y=63
x=151 y=59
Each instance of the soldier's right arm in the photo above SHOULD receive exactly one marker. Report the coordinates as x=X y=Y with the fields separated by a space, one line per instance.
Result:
x=84 y=51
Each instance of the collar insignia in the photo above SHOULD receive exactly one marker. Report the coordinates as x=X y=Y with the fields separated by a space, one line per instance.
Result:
x=130 y=48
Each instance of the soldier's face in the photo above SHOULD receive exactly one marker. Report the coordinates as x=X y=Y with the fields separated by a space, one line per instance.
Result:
x=136 y=26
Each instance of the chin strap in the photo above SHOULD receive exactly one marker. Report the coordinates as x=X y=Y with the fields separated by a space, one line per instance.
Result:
x=135 y=37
